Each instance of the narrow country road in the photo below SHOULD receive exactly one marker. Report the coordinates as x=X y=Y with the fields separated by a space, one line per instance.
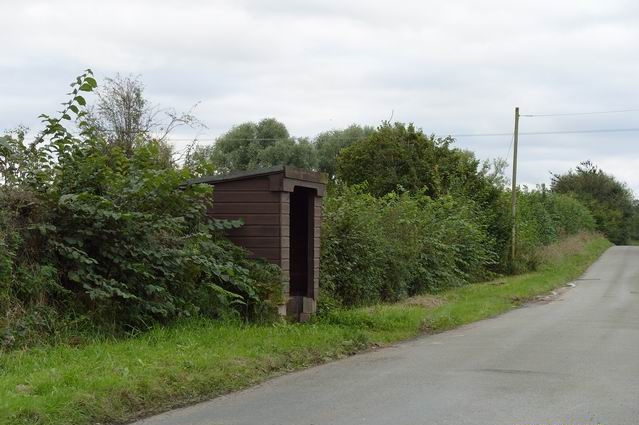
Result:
x=571 y=361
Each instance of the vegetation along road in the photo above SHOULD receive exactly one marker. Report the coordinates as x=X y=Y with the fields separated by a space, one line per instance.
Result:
x=572 y=360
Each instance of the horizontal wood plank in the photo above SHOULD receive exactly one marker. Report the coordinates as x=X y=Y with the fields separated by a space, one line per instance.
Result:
x=241 y=208
x=245 y=196
x=250 y=219
x=260 y=242
x=269 y=254
x=260 y=183
x=248 y=231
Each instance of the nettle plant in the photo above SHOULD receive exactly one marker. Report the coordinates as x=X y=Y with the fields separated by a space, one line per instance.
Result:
x=124 y=240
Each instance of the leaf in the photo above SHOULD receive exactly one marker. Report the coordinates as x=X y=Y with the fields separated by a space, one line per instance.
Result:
x=80 y=100
x=86 y=87
x=91 y=81
x=74 y=109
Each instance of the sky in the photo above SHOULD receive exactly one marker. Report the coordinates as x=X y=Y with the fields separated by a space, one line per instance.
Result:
x=455 y=67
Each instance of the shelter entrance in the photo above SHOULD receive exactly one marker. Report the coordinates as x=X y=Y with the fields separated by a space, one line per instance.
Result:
x=301 y=242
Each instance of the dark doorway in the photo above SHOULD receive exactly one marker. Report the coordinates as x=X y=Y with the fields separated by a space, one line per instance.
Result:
x=301 y=239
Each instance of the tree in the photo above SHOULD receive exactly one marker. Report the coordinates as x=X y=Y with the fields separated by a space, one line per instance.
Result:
x=253 y=145
x=124 y=117
x=122 y=114
x=329 y=144
x=401 y=156
x=609 y=200
x=297 y=152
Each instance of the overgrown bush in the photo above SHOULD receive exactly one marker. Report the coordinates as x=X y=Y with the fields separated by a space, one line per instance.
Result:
x=610 y=201
x=351 y=272
x=89 y=230
x=384 y=249
x=543 y=217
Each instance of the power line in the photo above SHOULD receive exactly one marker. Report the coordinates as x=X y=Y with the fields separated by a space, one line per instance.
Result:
x=524 y=133
x=619 y=111
x=537 y=133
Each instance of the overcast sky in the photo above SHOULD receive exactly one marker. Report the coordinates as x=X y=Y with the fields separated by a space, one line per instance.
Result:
x=451 y=67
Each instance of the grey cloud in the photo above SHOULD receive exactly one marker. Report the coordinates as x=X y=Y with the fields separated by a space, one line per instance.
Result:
x=450 y=67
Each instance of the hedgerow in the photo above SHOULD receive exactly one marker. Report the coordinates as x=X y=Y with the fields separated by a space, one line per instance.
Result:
x=543 y=217
x=384 y=249
x=378 y=249
x=98 y=235
x=90 y=233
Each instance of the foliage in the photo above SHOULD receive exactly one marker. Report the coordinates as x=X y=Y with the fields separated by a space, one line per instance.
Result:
x=543 y=218
x=329 y=144
x=124 y=117
x=253 y=145
x=398 y=156
x=122 y=113
x=401 y=157
x=91 y=230
x=610 y=201
x=383 y=249
x=386 y=248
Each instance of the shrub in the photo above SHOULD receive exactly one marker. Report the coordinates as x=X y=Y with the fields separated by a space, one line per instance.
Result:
x=543 y=217
x=90 y=230
x=384 y=249
x=352 y=246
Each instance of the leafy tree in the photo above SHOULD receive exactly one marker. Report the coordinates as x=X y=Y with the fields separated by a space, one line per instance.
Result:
x=296 y=152
x=609 y=200
x=401 y=156
x=253 y=145
x=329 y=144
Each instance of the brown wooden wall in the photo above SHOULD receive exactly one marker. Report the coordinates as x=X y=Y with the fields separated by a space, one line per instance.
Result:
x=259 y=208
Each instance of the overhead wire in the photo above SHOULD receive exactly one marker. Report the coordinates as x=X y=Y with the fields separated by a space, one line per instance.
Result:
x=459 y=135
x=523 y=133
x=566 y=114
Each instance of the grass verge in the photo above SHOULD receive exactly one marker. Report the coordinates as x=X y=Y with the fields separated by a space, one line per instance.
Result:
x=116 y=381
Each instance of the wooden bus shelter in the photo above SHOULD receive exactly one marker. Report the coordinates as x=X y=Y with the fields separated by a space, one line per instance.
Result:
x=281 y=208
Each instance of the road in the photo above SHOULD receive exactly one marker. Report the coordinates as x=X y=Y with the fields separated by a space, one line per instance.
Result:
x=574 y=361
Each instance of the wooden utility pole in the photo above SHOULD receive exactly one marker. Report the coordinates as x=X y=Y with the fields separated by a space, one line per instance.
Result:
x=514 y=187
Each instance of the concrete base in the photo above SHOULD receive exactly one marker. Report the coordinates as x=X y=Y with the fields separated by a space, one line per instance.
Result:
x=301 y=308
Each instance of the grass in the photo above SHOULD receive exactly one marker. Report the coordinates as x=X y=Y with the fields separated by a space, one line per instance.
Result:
x=116 y=381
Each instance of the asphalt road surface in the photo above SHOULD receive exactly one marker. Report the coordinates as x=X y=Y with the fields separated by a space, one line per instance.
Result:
x=574 y=360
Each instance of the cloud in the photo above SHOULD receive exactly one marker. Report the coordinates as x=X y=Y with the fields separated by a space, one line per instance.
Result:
x=451 y=67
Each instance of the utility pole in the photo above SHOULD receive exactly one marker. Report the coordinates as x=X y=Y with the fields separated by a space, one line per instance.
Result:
x=514 y=187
